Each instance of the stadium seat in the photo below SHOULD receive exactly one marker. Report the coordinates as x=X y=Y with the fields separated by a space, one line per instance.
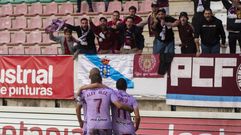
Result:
x=45 y=1
x=6 y=10
x=145 y=7
x=30 y=1
x=34 y=37
x=84 y=7
x=50 y=9
x=16 y=50
x=20 y=9
x=65 y=9
x=34 y=23
x=5 y=23
x=98 y=7
x=61 y=1
x=35 y=9
x=4 y=1
x=51 y=50
x=17 y=1
x=3 y=50
x=33 y=50
x=19 y=23
x=129 y=4
x=46 y=40
x=69 y=19
x=18 y=37
x=4 y=37
x=114 y=5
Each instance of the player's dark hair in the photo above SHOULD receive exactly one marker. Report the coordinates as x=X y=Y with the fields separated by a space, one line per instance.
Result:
x=96 y=78
x=121 y=84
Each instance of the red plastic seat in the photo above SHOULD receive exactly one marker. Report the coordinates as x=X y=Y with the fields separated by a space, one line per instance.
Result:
x=50 y=9
x=46 y=40
x=34 y=37
x=20 y=9
x=65 y=9
x=33 y=50
x=18 y=37
x=6 y=10
x=98 y=7
x=35 y=9
x=19 y=23
x=69 y=19
x=145 y=7
x=34 y=23
x=114 y=5
x=3 y=50
x=5 y=23
x=16 y=50
x=4 y=37
x=52 y=50
x=84 y=7
x=129 y=4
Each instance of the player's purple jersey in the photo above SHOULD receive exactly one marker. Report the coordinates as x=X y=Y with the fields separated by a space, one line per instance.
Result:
x=80 y=100
x=98 y=107
x=121 y=119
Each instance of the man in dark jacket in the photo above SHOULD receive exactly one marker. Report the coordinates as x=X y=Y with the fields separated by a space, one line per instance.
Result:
x=86 y=37
x=210 y=30
x=131 y=38
x=199 y=6
x=233 y=23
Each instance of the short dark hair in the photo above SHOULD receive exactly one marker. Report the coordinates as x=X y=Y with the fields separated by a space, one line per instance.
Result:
x=96 y=78
x=208 y=9
x=129 y=17
x=121 y=84
x=132 y=7
x=83 y=19
x=116 y=12
x=67 y=31
x=102 y=18
x=162 y=10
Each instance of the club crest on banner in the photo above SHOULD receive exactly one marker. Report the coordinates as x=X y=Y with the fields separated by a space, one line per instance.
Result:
x=105 y=68
x=147 y=62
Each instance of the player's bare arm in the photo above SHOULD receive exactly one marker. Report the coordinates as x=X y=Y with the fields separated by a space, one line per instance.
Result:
x=78 y=114
x=91 y=86
x=137 y=118
x=119 y=105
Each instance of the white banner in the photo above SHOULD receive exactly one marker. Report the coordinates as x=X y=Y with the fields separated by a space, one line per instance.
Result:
x=112 y=67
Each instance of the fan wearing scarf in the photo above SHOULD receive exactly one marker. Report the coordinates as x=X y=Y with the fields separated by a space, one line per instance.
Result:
x=86 y=37
x=67 y=41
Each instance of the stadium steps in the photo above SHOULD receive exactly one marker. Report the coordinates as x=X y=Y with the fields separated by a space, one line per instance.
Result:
x=16 y=18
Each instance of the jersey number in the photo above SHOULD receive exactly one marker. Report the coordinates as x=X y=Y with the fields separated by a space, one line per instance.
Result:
x=99 y=102
x=124 y=113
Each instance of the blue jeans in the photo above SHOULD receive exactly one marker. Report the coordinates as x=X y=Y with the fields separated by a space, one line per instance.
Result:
x=161 y=47
x=214 y=49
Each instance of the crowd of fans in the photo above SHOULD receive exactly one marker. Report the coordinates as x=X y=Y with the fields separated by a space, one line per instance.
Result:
x=125 y=36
